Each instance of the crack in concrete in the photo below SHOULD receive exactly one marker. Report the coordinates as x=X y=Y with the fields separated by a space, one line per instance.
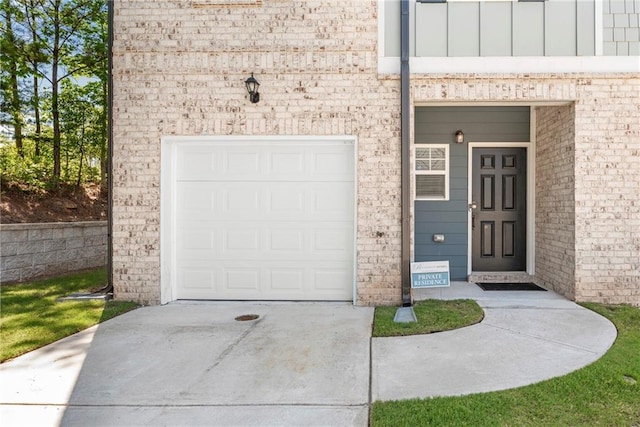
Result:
x=541 y=338
x=233 y=345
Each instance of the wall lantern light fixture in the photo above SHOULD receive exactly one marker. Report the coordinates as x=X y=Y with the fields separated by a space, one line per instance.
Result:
x=459 y=137
x=252 y=87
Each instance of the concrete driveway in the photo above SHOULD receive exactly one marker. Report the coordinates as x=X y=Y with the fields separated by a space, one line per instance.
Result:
x=191 y=363
x=298 y=364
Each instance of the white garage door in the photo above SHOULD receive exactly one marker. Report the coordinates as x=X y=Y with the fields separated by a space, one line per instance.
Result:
x=264 y=220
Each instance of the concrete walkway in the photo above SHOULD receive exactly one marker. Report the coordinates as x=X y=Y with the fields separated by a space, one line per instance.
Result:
x=524 y=338
x=190 y=363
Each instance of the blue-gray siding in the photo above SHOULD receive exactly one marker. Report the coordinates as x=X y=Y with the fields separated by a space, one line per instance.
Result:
x=437 y=125
x=506 y=28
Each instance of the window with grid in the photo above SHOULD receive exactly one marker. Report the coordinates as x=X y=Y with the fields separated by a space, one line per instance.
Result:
x=432 y=172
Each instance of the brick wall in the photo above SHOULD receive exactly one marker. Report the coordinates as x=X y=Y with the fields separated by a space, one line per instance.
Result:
x=555 y=198
x=179 y=70
x=37 y=250
x=608 y=192
x=605 y=122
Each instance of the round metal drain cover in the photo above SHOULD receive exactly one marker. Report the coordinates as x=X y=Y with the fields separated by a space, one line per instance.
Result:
x=246 y=317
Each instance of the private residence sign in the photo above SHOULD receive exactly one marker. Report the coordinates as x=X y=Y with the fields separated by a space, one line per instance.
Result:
x=431 y=274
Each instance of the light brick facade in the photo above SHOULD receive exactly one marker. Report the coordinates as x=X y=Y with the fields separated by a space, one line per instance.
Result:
x=555 y=201
x=179 y=70
x=587 y=174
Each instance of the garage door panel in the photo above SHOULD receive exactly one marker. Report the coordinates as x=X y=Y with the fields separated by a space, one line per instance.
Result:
x=194 y=282
x=240 y=163
x=273 y=241
x=281 y=162
x=197 y=239
x=239 y=241
x=333 y=202
x=332 y=165
x=277 y=201
x=196 y=163
x=286 y=239
x=265 y=221
x=285 y=280
x=240 y=279
x=286 y=164
x=337 y=241
x=240 y=201
x=267 y=281
x=286 y=200
x=245 y=240
x=330 y=279
x=195 y=200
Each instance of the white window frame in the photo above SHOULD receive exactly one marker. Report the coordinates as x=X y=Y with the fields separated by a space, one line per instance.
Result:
x=446 y=172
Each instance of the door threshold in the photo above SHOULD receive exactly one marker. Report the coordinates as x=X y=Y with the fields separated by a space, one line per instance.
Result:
x=500 y=277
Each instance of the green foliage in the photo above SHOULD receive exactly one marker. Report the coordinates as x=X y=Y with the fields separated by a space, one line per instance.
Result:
x=32 y=316
x=34 y=172
x=30 y=171
x=605 y=393
x=432 y=316
x=49 y=50
x=82 y=128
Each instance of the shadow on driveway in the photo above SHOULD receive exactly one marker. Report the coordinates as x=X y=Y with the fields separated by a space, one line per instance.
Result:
x=191 y=363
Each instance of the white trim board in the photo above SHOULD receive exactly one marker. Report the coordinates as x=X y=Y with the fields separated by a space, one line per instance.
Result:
x=513 y=65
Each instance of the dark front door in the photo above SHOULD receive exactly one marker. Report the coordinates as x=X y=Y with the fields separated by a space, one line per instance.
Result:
x=499 y=218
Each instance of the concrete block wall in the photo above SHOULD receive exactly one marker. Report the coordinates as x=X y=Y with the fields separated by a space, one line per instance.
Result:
x=30 y=251
x=555 y=198
x=180 y=70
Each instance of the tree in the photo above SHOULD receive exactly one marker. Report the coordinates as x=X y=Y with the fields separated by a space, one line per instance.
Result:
x=80 y=122
x=65 y=27
x=94 y=58
x=35 y=57
x=50 y=49
x=9 y=58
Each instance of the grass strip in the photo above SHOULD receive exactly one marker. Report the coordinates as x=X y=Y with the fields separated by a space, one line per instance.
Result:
x=31 y=315
x=605 y=393
x=432 y=316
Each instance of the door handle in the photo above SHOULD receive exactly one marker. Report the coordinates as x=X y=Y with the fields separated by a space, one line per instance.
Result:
x=473 y=205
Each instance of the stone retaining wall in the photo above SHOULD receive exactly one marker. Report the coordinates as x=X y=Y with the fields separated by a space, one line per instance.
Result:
x=29 y=251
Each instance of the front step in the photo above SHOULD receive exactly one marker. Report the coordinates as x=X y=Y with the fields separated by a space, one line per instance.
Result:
x=500 y=277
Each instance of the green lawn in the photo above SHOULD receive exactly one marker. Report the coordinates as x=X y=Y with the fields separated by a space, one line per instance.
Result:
x=432 y=316
x=31 y=316
x=605 y=393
